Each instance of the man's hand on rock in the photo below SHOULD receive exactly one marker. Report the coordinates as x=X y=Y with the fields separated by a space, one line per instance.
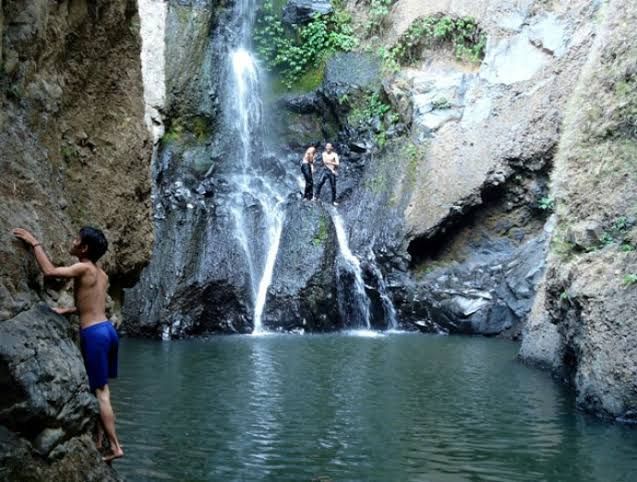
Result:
x=64 y=311
x=25 y=236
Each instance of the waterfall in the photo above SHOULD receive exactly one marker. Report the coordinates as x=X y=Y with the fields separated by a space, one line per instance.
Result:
x=388 y=305
x=253 y=188
x=361 y=300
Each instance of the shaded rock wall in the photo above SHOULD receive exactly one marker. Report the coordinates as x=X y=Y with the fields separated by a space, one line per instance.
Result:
x=584 y=319
x=197 y=281
x=75 y=151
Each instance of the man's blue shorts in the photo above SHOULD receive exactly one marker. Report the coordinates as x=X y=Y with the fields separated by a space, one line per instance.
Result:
x=99 y=343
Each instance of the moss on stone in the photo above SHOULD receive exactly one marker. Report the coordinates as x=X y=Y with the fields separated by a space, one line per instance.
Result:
x=197 y=129
x=308 y=82
x=322 y=233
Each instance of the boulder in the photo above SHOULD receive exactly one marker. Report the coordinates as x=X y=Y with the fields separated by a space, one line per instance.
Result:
x=46 y=411
x=298 y=12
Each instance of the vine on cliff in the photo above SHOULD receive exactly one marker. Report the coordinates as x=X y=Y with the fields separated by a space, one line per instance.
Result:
x=291 y=52
x=464 y=34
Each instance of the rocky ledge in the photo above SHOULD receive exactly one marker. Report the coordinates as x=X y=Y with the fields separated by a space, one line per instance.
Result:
x=46 y=411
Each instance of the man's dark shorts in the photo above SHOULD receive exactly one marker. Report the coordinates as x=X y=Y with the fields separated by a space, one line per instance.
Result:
x=99 y=344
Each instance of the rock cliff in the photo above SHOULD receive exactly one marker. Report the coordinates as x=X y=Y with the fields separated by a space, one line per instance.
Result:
x=75 y=151
x=583 y=320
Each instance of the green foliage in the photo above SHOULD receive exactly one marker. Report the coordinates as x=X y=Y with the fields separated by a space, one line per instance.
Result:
x=373 y=107
x=616 y=233
x=547 y=204
x=322 y=234
x=69 y=153
x=291 y=53
x=173 y=134
x=630 y=279
x=377 y=15
x=463 y=33
x=561 y=247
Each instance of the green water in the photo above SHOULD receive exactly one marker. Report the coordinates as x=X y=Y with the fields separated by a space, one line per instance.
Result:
x=353 y=408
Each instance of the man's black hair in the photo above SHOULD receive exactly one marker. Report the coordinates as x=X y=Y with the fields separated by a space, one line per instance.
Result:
x=95 y=241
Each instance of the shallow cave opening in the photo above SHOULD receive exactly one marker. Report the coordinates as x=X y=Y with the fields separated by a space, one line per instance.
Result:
x=503 y=209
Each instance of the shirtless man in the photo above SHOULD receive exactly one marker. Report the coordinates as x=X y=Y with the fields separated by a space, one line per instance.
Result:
x=99 y=340
x=331 y=162
x=307 y=169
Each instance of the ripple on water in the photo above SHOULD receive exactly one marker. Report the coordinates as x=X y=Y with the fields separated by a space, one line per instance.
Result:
x=354 y=407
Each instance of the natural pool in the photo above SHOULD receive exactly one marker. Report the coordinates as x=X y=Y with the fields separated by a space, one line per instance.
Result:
x=342 y=407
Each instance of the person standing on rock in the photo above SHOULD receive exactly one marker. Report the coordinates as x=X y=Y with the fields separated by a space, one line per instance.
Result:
x=331 y=161
x=307 y=169
x=98 y=338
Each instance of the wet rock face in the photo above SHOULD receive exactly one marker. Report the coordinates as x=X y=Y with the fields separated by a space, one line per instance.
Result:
x=298 y=12
x=197 y=281
x=303 y=294
x=46 y=413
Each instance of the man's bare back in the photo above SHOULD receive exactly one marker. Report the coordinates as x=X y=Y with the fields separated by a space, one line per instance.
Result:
x=90 y=294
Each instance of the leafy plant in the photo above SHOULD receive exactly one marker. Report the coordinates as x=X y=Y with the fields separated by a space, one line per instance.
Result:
x=463 y=33
x=377 y=15
x=616 y=232
x=547 y=203
x=290 y=53
x=630 y=279
x=373 y=107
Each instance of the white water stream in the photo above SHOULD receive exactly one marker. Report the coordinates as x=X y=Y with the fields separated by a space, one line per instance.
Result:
x=360 y=296
x=253 y=188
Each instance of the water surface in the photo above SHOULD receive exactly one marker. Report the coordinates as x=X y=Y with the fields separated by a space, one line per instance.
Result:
x=354 y=408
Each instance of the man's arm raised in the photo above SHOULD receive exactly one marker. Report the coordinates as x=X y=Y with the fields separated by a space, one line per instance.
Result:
x=43 y=260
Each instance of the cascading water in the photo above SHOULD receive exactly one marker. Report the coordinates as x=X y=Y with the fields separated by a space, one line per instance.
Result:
x=361 y=303
x=388 y=305
x=253 y=188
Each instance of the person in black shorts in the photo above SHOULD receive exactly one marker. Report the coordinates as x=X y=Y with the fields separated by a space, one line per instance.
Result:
x=307 y=169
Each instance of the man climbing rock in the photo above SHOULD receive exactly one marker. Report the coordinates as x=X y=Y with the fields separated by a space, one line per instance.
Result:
x=331 y=162
x=99 y=340
x=307 y=169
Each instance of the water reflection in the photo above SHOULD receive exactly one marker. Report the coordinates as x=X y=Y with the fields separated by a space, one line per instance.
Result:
x=396 y=407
